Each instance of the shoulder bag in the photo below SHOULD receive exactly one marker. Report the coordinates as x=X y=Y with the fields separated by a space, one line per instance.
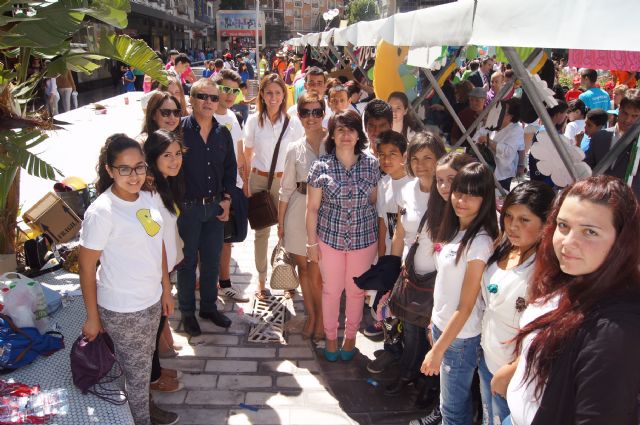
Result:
x=263 y=211
x=411 y=299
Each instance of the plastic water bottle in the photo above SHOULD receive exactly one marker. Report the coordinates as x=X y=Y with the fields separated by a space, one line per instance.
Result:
x=35 y=408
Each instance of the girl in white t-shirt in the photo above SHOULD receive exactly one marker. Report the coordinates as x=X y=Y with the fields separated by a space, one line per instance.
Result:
x=463 y=246
x=411 y=203
x=163 y=151
x=576 y=113
x=504 y=290
x=124 y=230
x=446 y=169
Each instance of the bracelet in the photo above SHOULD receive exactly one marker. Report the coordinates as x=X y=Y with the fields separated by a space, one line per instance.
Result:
x=312 y=245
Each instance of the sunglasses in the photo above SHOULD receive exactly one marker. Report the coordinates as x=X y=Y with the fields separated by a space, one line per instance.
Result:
x=204 y=96
x=167 y=112
x=315 y=113
x=227 y=90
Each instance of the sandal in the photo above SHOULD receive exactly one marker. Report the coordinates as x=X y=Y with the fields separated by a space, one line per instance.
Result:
x=289 y=294
x=261 y=294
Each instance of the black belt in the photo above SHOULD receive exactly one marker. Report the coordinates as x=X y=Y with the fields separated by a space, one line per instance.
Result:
x=205 y=200
x=301 y=187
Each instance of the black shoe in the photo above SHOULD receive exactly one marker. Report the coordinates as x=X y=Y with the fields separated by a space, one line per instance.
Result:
x=433 y=418
x=160 y=416
x=381 y=363
x=216 y=317
x=397 y=387
x=191 y=326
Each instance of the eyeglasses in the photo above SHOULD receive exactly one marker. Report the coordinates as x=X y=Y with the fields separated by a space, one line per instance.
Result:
x=315 y=113
x=166 y=112
x=227 y=90
x=211 y=97
x=126 y=171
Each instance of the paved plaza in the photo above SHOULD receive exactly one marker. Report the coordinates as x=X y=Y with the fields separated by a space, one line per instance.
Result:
x=276 y=383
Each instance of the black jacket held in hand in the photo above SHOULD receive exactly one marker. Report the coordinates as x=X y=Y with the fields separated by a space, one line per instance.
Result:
x=596 y=379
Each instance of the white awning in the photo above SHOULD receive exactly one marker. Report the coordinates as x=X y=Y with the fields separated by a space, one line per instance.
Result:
x=565 y=24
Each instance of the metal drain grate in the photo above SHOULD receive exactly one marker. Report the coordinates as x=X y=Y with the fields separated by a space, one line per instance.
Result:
x=272 y=313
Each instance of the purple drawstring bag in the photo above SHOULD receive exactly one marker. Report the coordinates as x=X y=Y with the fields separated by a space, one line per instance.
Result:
x=91 y=363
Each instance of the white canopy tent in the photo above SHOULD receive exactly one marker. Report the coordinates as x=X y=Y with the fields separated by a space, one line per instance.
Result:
x=567 y=24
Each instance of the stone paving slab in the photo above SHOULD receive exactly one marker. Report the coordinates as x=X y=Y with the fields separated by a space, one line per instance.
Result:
x=288 y=384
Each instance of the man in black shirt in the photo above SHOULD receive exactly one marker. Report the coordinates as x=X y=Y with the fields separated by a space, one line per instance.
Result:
x=210 y=169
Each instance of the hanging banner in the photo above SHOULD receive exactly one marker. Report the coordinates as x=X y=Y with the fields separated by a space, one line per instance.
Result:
x=605 y=59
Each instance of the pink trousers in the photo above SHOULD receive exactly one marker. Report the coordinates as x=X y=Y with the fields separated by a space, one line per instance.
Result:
x=338 y=268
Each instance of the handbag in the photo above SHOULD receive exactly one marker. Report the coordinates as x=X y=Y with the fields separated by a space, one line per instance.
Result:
x=411 y=299
x=284 y=275
x=91 y=362
x=263 y=211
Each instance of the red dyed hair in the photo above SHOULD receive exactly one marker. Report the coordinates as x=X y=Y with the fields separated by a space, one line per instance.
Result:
x=618 y=274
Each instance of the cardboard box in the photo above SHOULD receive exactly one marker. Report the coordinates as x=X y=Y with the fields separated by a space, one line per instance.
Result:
x=52 y=216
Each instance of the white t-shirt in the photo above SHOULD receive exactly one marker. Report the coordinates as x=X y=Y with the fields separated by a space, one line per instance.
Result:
x=263 y=140
x=509 y=141
x=230 y=121
x=448 y=286
x=501 y=290
x=130 y=235
x=573 y=128
x=413 y=204
x=424 y=260
x=386 y=205
x=170 y=232
x=521 y=398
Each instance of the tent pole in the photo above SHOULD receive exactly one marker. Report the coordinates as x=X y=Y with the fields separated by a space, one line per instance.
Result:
x=620 y=146
x=338 y=56
x=418 y=100
x=497 y=98
x=445 y=102
x=352 y=56
x=538 y=106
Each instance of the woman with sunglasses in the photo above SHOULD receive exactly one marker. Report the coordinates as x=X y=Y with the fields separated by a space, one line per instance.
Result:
x=123 y=230
x=163 y=112
x=293 y=204
x=261 y=134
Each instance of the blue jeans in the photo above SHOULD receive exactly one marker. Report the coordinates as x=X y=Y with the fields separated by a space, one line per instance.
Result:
x=202 y=234
x=456 y=376
x=494 y=407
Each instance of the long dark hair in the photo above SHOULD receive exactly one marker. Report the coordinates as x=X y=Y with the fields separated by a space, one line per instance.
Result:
x=474 y=179
x=261 y=105
x=155 y=102
x=170 y=189
x=617 y=275
x=535 y=195
x=114 y=146
x=410 y=121
x=350 y=119
x=435 y=204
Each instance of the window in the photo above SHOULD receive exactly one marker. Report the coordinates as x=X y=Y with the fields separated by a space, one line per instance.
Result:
x=297 y=4
x=288 y=12
x=297 y=24
x=297 y=13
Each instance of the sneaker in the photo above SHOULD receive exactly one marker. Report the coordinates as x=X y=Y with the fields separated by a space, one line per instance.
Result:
x=381 y=363
x=374 y=330
x=166 y=384
x=160 y=416
x=233 y=294
x=433 y=418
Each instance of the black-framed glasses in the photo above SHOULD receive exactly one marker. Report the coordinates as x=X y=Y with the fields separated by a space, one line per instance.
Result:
x=227 y=90
x=205 y=96
x=126 y=171
x=166 y=112
x=315 y=113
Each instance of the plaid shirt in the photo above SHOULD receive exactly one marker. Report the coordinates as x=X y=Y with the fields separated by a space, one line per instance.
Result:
x=347 y=220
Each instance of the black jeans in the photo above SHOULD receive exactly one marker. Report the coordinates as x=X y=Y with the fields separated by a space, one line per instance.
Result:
x=155 y=362
x=415 y=347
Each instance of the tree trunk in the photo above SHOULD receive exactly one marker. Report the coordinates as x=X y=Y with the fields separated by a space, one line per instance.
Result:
x=8 y=218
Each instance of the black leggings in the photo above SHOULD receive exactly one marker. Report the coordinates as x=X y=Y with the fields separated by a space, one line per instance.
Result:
x=155 y=362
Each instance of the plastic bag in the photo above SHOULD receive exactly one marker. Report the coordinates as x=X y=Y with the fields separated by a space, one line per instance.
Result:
x=22 y=299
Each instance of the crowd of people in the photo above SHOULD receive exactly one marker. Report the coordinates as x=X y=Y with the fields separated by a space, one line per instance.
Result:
x=533 y=301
